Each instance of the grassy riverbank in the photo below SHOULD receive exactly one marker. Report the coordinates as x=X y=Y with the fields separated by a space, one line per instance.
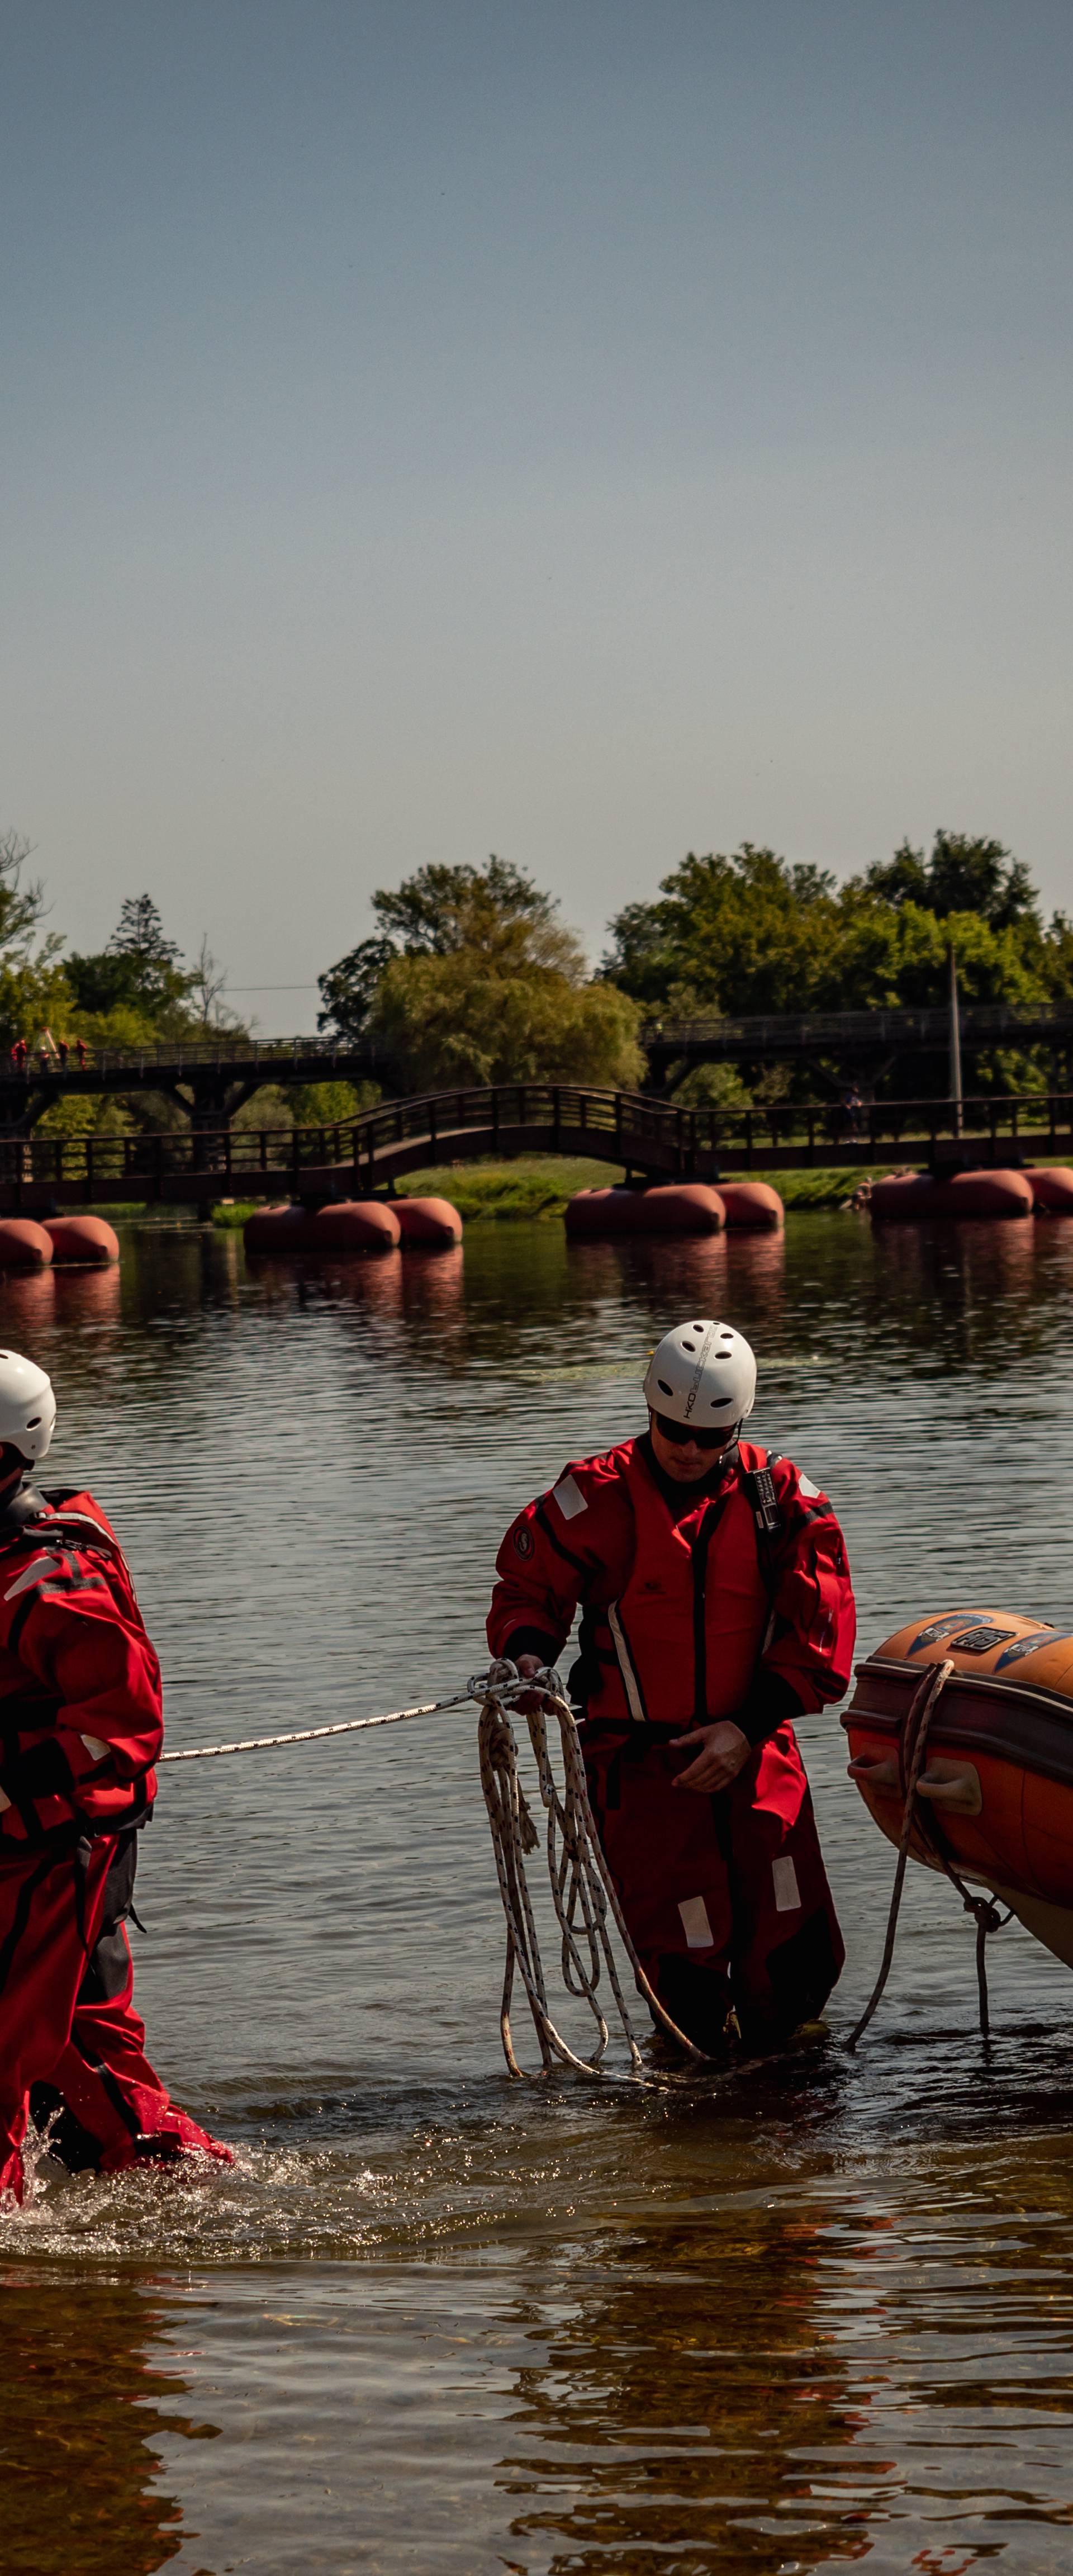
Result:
x=539 y=1185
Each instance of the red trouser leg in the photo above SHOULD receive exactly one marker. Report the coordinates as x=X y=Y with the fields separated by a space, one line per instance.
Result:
x=788 y=1949
x=50 y=1915
x=667 y=1854
x=726 y=1898
x=105 y=2076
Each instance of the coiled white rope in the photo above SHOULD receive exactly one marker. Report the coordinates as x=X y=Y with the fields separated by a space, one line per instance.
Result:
x=583 y=1891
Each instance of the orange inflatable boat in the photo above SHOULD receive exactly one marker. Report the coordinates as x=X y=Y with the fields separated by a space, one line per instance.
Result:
x=995 y=1788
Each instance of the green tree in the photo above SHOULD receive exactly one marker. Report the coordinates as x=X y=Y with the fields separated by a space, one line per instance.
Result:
x=962 y=875
x=34 y=992
x=139 y=971
x=753 y=934
x=495 y=912
x=471 y=977
x=348 y=989
x=447 y=1021
x=747 y=933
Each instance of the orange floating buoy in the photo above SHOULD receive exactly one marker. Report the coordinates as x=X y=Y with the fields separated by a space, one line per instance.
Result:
x=752 y=1203
x=24 y=1245
x=82 y=1239
x=276 y=1229
x=995 y=1792
x=964 y=1194
x=674 y=1207
x=430 y=1221
x=1052 y=1189
x=354 y=1225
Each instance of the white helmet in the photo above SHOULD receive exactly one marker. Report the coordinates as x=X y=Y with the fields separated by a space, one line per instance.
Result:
x=703 y=1374
x=27 y=1407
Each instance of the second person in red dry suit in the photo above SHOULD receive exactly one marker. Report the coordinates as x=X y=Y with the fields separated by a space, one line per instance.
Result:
x=717 y=1608
x=80 y=1729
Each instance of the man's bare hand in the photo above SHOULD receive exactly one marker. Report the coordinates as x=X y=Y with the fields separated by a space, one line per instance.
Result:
x=723 y=1750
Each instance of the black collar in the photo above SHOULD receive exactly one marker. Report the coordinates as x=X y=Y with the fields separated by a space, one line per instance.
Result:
x=681 y=1499
x=26 y=1505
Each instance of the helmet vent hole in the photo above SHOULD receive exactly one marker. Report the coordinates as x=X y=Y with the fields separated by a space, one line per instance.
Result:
x=664 y=1389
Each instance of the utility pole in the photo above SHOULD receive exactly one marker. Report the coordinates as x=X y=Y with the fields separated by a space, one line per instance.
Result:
x=955 y=1044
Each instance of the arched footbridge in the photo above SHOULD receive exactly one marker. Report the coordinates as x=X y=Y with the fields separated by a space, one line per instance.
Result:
x=626 y=1130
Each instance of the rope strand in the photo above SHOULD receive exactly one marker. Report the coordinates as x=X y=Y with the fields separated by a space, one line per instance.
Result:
x=311 y=1734
x=921 y=1708
x=582 y=1890
x=986 y=1914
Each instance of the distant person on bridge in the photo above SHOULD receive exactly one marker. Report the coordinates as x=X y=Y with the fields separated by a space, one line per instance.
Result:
x=18 y=1055
x=63 y=1050
x=716 y=1608
x=80 y=1729
x=80 y=1051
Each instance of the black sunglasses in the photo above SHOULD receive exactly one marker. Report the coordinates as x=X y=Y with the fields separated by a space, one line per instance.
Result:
x=680 y=1433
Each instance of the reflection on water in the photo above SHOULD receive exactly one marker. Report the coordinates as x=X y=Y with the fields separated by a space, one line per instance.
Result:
x=82 y=2399
x=780 y=2322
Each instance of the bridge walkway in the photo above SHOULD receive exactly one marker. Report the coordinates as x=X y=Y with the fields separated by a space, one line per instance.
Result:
x=626 y=1130
x=214 y=1076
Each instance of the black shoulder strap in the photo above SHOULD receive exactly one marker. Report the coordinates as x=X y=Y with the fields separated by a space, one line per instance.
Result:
x=767 y=1518
x=20 y=1516
x=31 y=1519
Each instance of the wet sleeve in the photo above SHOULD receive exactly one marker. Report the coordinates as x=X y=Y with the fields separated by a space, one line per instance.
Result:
x=79 y=1635
x=814 y=1618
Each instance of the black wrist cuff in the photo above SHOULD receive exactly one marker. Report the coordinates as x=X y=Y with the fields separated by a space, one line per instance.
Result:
x=532 y=1641
x=770 y=1703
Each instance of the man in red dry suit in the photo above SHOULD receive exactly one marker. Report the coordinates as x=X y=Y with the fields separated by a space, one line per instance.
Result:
x=80 y=1728
x=716 y=1608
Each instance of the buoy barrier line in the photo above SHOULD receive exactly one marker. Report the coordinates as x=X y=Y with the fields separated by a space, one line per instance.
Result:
x=582 y=1890
x=312 y=1734
x=987 y=1915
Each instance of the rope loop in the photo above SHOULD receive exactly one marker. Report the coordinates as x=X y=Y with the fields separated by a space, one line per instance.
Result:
x=987 y=1916
x=915 y=1735
x=583 y=1893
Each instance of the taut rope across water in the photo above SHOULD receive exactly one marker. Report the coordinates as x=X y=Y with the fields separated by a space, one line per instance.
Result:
x=311 y=1734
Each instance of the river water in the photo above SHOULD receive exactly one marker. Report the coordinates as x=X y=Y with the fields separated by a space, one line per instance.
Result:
x=434 y=2321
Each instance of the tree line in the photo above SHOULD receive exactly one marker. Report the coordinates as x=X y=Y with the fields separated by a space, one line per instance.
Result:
x=471 y=976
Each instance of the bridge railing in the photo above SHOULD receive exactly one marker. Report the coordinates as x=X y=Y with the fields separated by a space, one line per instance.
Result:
x=221 y=1053
x=763 y=1033
x=759 y=1034
x=616 y=1127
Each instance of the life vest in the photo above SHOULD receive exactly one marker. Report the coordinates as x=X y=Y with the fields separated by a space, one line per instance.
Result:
x=680 y=1645
x=73 y=1649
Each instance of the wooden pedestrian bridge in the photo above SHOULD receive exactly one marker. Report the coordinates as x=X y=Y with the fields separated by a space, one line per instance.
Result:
x=628 y=1131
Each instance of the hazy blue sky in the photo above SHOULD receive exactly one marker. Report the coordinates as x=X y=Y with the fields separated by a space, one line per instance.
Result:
x=581 y=431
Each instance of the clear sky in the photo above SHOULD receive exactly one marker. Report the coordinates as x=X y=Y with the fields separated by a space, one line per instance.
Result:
x=587 y=431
